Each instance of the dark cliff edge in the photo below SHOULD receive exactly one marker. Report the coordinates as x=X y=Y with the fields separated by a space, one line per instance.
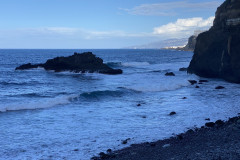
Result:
x=191 y=44
x=217 y=51
x=78 y=63
x=189 y=47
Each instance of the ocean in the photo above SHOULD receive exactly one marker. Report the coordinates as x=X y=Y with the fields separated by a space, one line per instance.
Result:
x=48 y=115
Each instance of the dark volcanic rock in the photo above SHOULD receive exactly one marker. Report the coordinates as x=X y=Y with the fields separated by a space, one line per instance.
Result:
x=219 y=122
x=219 y=87
x=172 y=113
x=192 y=82
x=180 y=137
x=210 y=124
x=169 y=74
x=217 y=51
x=103 y=155
x=201 y=81
x=28 y=66
x=183 y=69
x=191 y=43
x=109 y=151
x=84 y=62
x=125 y=141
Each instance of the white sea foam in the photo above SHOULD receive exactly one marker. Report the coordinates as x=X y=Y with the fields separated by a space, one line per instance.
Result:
x=37 y=104
x=135 y=64
x=168 y=85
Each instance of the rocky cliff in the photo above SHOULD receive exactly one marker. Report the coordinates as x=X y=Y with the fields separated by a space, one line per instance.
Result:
x=217 y=51
x=191 y=44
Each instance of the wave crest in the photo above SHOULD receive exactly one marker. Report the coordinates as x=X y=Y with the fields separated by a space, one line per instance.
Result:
x=37 y=104
x=99 y=94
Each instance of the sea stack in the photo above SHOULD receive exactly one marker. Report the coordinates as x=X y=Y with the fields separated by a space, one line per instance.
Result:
x=217 y=51
x=79 y=62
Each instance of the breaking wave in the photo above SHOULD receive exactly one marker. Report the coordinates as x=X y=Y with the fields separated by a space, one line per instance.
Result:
x=37 y=104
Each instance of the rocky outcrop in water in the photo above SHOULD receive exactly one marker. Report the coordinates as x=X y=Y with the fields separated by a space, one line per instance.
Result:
x=217 y=51
x=84 y=62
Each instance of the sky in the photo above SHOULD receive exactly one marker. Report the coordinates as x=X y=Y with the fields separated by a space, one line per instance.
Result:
x=100 y=24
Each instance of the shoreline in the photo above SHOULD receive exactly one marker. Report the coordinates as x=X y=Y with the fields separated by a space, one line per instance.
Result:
x=216 y=140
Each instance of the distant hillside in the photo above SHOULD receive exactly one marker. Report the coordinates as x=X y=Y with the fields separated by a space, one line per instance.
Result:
x=190 y=46
x=162 y=44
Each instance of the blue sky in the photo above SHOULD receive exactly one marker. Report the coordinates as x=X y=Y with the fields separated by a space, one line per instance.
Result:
x=100 y=23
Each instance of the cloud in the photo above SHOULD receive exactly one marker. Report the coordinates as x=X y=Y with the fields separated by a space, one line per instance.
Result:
x=184 y=27
x=81 y=33
x=169 y=8
x=64 y=37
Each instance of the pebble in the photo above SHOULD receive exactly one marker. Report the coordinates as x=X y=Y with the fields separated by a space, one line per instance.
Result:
x=166 y=145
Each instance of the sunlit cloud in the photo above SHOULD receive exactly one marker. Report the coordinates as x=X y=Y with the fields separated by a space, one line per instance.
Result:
x=169 y=8
x=184 y=27
x=49 y=37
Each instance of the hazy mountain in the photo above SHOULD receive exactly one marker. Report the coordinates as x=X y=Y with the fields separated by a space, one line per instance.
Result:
x=162 y=44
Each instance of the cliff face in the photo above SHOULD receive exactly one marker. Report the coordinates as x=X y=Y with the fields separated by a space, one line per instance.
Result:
x=191 y=43
x=217 y=51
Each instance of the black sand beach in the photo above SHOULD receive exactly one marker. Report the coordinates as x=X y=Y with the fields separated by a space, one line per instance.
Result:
x=218 y=141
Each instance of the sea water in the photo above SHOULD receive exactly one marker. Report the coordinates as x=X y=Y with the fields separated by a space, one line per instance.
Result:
x=48 y=115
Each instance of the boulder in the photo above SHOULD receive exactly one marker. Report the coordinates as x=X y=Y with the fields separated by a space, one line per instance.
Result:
x=172 y=113
x=169 y=74
x=183 y=69
x=219 y=87
x=217 y=51
x=126 y=141
x=192 y=82
x=109 y=151
x=79 y=62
